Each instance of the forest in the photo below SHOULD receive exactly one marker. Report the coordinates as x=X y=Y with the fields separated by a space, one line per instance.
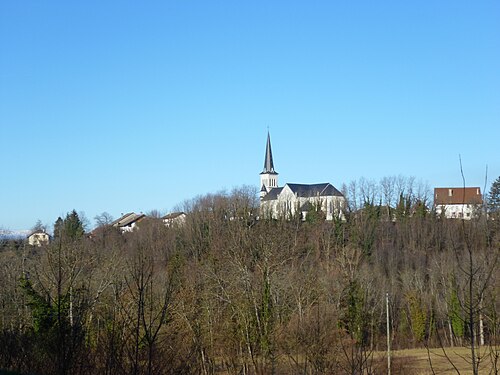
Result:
x=228 y=293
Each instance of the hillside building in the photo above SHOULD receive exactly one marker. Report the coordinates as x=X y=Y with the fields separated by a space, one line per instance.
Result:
x=458 y=202
x=128 y=222
x=38 y=238
x=296 y=199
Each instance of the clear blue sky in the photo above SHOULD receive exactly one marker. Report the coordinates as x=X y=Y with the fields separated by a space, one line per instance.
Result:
x=124 y=106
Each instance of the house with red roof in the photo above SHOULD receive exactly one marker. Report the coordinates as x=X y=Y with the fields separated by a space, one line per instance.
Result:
x=458 y=202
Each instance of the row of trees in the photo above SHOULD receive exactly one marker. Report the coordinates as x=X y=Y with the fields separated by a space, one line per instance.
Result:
x=226 y=293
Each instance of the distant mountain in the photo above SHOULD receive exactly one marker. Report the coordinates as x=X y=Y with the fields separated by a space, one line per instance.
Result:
x=6 y=234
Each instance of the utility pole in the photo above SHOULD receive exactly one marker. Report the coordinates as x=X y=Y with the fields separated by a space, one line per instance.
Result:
x=388 y=335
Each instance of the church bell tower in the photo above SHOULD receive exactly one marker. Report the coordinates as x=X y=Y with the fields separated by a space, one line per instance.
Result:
x=268 y=176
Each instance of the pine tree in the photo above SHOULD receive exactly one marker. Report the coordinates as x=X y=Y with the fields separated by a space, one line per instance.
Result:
x=71 y=228
x=58 y=227
x=494 y=197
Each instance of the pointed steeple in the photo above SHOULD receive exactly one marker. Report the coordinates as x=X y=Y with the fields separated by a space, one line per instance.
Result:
x=268 y=176
x=268 y=161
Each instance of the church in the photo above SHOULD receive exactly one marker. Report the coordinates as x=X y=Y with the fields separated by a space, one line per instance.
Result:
x=296 y=199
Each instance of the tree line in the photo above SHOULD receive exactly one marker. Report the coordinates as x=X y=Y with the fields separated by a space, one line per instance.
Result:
x=224 y=292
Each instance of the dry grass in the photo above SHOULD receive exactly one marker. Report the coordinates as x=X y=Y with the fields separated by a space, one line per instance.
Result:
x=418 y=361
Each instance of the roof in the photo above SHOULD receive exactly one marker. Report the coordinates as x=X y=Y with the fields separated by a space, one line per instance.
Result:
x=120 y=219
x=38 y=231
x=273 y=194
x=457 y=195
x=268 y=159
x=173 y=215
x=314 y=190
x=127 y=219
x=305 y=191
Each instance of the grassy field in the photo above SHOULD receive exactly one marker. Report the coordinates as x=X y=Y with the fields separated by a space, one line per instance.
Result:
x=416 y=361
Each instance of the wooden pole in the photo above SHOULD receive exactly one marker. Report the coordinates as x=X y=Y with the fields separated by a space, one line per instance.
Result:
x=388 y=335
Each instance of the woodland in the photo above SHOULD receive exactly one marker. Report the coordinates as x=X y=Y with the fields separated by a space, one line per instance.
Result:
x=227 y=292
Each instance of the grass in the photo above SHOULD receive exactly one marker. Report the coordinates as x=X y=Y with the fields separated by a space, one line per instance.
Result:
x=416 y=361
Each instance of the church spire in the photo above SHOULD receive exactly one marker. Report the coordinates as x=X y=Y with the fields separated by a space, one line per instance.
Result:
x=268 y=177
x=268 y=161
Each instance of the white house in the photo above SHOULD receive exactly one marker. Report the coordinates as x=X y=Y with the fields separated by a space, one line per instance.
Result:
x=457 y=202
x=128 y=222
x=293 y=199
x=174 y=218
x=38 y=238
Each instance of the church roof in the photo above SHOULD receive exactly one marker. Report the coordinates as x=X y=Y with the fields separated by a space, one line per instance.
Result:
x=314 y=190
x=305 y=191
x=268 y=160
x=273 y=194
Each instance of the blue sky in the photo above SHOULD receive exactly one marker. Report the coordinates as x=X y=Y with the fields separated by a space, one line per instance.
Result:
x=124 y=106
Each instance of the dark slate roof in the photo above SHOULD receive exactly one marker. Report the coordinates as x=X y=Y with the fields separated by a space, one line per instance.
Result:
x=268 y=160
x=273 y=194
x=314 y=190
x=305 y=191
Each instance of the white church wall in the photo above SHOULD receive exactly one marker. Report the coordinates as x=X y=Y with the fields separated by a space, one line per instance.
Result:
x=287 y=205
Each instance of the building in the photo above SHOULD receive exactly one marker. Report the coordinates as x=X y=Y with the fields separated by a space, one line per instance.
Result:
x=458 y=202
x=38 y=238
x=174 y=219
x=296 y=199
x=128 y=222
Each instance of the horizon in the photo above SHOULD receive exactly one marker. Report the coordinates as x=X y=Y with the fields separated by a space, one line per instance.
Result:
x=121 y=107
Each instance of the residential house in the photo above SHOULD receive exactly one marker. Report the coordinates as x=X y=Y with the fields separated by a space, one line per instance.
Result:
x=458 y=202
x=174 y=218
x=38 y=238
x=128 y=222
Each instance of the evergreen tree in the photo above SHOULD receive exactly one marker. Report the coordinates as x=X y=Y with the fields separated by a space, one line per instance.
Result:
x=58 y=227
x=403 y=207
x=70 y=228
x=73 y=226
x=455 y=315
x=494 y=197
x=354 y=318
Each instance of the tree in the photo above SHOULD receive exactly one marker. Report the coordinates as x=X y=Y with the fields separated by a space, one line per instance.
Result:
x=103 y=219
x=71 y=228
x=225 y=292
x=494 y=197
x=58 y=227
x=456 y=318
x=56 y=292
x=39 y=226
